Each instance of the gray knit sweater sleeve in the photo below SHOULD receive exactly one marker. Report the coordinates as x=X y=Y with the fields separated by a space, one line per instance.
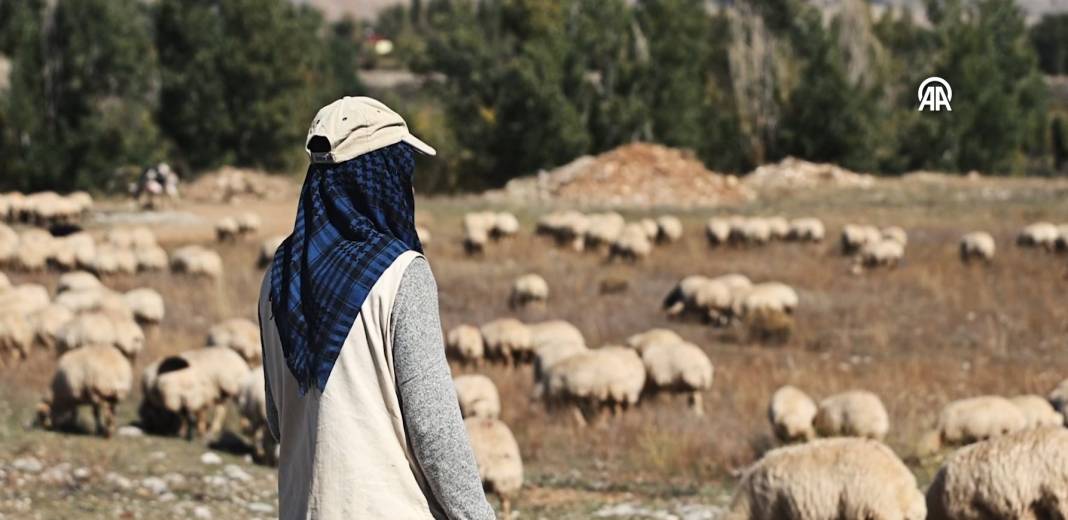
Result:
x=428 y=399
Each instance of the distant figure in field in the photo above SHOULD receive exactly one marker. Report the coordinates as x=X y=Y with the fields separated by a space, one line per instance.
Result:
x=156 y=185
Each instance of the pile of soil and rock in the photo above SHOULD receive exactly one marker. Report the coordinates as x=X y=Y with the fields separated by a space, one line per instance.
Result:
x=232 y=185
x=638 y=174
x=792 y=173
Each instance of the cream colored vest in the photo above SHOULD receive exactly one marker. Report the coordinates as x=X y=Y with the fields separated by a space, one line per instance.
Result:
x=344 y=452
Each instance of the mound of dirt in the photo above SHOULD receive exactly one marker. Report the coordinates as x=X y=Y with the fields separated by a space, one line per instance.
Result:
x=231 y=185
x=792 y=173
x=638 y=174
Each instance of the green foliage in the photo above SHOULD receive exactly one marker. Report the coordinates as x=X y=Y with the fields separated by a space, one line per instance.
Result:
x=1050 y=39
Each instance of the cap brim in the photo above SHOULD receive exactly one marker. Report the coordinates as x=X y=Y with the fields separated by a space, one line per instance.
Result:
x=418 y=144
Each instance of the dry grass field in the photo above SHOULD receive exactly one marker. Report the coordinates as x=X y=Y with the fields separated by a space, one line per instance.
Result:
x=919 y=335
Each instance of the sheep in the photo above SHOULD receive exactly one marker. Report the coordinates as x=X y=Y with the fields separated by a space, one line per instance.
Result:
x=225 y=370
x=678 y=367
x=197 y=261
x=47 y=322
x=9 y=244
x=151 y=258
x=476 y=231
x=855 y=413
x=237 y=334
x=16 y=335
x=699 y=296
x=5 y=283
x=643 y=340
x=142 y=238
x=975 y=419
x=505 y=225
x=881 y=253
x=464 y=343
x=750 y=231
x=101 y=328
x=767 y=297
x=248 y=224
x=1022 y=475
x=500 y=465
x=778 y=228
x=270 y=246
x=554 y=331
x=252 y=402
x=1037 y=411
x=717 y=231
x=120 y=237
x=806 y=230
x=146 y=304
x=977 y=245
x=668 y=229
x=791 y=413
x=74 y=250
x=603 y=229
x=507 y=339
x=78 y=281
x=631 y=244
x=85 y=300
x=36 y=248
x=1039 y=234
x=549 y=354
x=99 y=376
x=648 y=227
x=477 y=396
x=176 y=390
x=1061 y=244
x=896 y=234
x=855 y=237
x=828 y=478
x=227 y=229
x=567 y=228
x=529 y=289
x=26 y=298
x=608 y=377
x=1058 y=397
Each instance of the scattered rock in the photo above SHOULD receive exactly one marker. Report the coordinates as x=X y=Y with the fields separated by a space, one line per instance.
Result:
x=202 y=513
x=234 y=472
x=82 y=473
x=129 y=431
x=210 y=458
x=260 y=507
x=118 y=481
x=155 y=485
x=27 y=465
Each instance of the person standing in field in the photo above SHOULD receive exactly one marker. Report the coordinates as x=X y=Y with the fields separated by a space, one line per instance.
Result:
x=359 y=394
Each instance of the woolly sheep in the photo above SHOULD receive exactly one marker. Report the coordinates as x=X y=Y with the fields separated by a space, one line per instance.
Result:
x=678 y=367
x=78 y=281
x=98 y=376
x=227 y=229
x=529 y=289
x=9 y=244
x=778 y=228
x=16 y=335
x=226 y=370
x=1039 y=234
x=47 y=322
x=717 y=231
x=476 y=231
x=500 y=465
x=828 y=478
x=101 y=328
x=766 y=297
x=608 y=377
x=881 y=253
x=668 y=228
x=806 y=230
x=855 y=237
x=978 y=418
x=706 y=298
x=120 y=237
x=643 y=340
x=1022 y=475
x=270 y=246
x=151 y=258
x=5 y=283
x=977 y=245
x=553 y=332
x=35 y=249
x=791 y=413
x=196 y=260
x=252 y=403
x=855 y=413
x=464 y=343
x=567 y=228
x=1058 y=397
x=507 y=339
x=237 y=334
x=1037 y=411
x=603 y=229
x=548 y=355
x=25 y=298
x=248 y=223
x=146 y=304
x=896 y=234
x=504 y=225
x=631 y=244
x=477 y=396
x=750 y=231
x=175 y=386
x=73 y=250
x=649 y=228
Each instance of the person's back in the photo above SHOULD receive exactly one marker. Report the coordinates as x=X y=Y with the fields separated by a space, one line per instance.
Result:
x=349 y=300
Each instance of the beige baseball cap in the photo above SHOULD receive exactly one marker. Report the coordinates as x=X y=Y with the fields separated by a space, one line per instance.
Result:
x=353 y=126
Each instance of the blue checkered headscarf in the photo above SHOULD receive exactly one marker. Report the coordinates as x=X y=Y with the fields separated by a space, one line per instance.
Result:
x=354 y=219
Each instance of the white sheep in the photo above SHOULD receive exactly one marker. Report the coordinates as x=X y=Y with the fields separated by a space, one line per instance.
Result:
x=500 y=466
x=464 y=343
x=1039 y=234
x=248 y=224
x=505 y=225
x=668 y=228
x=252 y=402
x=36 y=248
x=25 y=298
x=896 y=234
x=1022 y=475
x=977 y=245
x=16 y=335
x=765 y=297
x=102 y=328
x=47 y=322
x=78 y=281
x=649 y=227
x=227 y=229
x=1037 y=411
x=198 y=261
x=717 y=231
x=843 y=478
x=477 y=228
x=977 y=418
x=98 y=376
x=610 y=377
x=174 y=387
x=507 y=340
x=152 y=258
x=631 y=244
x=567 y=228
x=778 y=228
x=855 y=413
x=603 y=229
x=73 y=250
x=226 y=371
x=644 y=340
x=477 y=396
x=554 y=332
x=855 y=237
x=678 y=367
x=146 y=304
x=806 y=230
x=237 y=334
x=529 y=289
x=750 y=231
x=791 y=413
x=9 y=244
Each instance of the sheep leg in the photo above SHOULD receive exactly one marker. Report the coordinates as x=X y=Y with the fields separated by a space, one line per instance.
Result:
x=580 y=418
x=217 y=421
x=506 y=506
x=696 y=403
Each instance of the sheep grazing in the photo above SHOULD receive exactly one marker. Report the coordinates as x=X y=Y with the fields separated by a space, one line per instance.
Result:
x=1021 y=475
x=895 y=234
x=225 y=370
x=178 y=398
x=507 y=340
x=751 y=231
x=828 y=478
x=977 y=245
x=102 y=327
x=668 y=229
x=477 y=396
x=16 y=335
x=25 y=298
x=649 y=227
x=197 y=261
x=73 y=251
x=975 y=419
x=237 y=334
x=1037 y=411
x=881 y=253
x=609 y=377
x=643 y=340
x=464 y=343
x=778 y=228
x=78 y=281
x=476 y=231
x=603 y=229
x=227 y=229
x=1040 y=234
x=706 y=298
x=806 y=230
x=856 y=413
x=678 y=368
x=146 y=304
x=566 y=228
x=35 y=249
x=269 y=247
x=631 y=244
x=98 y=376
x=248 y=224
x=9 y=244
x=46 y=324
x=252 y=402
x=505 y=225
x=151 y=258
x=5 y=283
x=771 y=297
x=529 y=290
x=499 y=463
x=111 y=259
x=1058 y=397
x=791 y=413
x=855 y=237
x=717 y=231
x=1061 y=244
